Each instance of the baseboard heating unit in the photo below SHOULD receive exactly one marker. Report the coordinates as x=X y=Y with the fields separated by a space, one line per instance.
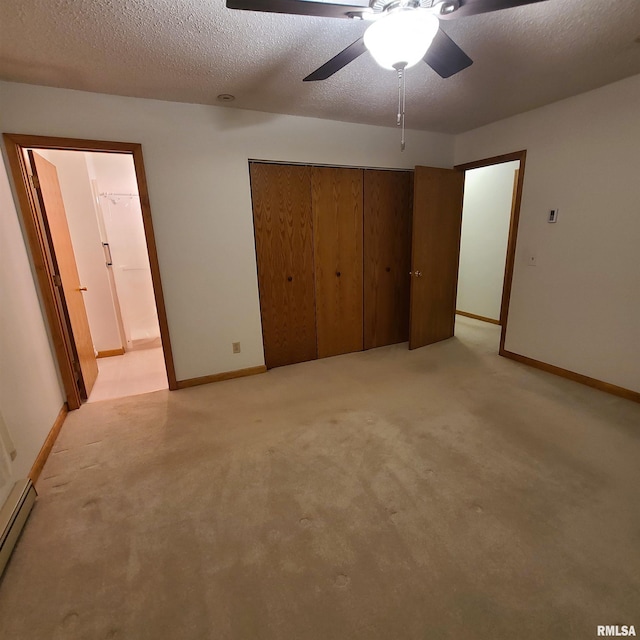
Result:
x=13 y=516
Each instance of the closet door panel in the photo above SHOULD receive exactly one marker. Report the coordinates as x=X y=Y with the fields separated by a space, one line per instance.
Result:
x=337 y=233
x=282 y=216
x=388 y=197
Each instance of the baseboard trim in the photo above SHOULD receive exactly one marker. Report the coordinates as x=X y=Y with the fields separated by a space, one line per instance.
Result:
x=476 y=317
x=36 y=469
x=110 y=352
x=13 y=516
x=219 y=377
x=607 y=387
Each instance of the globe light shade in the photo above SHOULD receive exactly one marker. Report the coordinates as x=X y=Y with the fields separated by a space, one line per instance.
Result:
x=401 y=38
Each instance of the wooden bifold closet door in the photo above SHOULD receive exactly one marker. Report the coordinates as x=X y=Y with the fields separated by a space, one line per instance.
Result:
x=388 y=201
x=333 y=248
x=336 y=197
x=284 y=250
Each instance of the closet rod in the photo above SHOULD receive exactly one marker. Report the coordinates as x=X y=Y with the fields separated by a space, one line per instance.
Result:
x=119 y=195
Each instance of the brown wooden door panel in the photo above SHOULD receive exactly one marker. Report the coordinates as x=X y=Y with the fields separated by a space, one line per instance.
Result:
x=52 y=205
x=282 y=216
x=387 y=256
x=437 y=219
x=337 y=232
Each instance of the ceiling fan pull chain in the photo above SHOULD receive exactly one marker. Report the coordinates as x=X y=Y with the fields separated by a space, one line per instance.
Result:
x=401 y=101
x=399 y=117
x=404 y=85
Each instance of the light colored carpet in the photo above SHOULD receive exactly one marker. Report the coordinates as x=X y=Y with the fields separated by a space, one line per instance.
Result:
x=439 y=493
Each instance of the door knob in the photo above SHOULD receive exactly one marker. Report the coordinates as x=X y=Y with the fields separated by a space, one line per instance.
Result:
x=418 y=274
x=81 y=289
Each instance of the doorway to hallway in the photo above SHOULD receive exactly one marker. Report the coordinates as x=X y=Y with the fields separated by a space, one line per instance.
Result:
x=87 y=217
x=104 y=218
x=491 y=209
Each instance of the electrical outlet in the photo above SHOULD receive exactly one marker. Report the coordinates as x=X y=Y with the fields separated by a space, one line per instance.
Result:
x=236 y=347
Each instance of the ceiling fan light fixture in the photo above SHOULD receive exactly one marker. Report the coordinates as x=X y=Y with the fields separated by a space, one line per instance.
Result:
x=401 y=38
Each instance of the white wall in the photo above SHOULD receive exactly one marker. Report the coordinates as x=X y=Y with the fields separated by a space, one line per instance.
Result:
x=579 y=307
x=486 y=212
x=115 y=172
x=79 y=206
x=123 y=229
x=30 y=392
x=196 y=164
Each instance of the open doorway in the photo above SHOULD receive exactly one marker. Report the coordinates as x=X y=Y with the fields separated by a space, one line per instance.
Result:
x=87 y=218
x=490 y=212
x=103 y=214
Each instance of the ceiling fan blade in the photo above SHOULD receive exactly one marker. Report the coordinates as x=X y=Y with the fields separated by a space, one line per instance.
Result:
x=299 y=7
x=445 y=57
x=474 y=7
x=337 y=62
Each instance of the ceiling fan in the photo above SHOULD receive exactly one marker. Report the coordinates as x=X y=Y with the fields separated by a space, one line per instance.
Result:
x=402 y=32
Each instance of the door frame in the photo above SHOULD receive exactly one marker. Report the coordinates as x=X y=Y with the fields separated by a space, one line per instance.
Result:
x=15 y=145
x=513 y=230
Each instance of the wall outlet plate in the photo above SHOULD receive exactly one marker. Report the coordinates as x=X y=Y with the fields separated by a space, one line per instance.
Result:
x=236 y=347
x=553 y=215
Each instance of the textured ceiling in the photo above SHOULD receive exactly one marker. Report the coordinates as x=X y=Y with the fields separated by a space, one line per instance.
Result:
x=193 y=50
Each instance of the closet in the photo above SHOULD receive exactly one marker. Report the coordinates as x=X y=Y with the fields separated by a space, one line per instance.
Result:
x=333 y=248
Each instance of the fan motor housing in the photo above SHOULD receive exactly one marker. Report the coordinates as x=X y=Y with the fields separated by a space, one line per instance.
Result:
x=444 y=6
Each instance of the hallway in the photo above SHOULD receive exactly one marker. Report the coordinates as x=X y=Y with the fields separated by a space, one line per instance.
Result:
x=135 y=372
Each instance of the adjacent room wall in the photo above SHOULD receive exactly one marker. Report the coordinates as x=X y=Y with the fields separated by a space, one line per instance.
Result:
x=579 y=307
x=120 y=216
x=486 y=212
x=196 y=164
x=30 y=392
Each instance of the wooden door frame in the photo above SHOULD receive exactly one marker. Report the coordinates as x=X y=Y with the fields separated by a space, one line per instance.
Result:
x=15 y=145
x=513 y=230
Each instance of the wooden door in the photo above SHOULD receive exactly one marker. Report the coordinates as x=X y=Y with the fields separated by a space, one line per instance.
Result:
x=282 y=217
x=387 y=256
x=437 y=220
x=52 y=206
x=337 y=237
